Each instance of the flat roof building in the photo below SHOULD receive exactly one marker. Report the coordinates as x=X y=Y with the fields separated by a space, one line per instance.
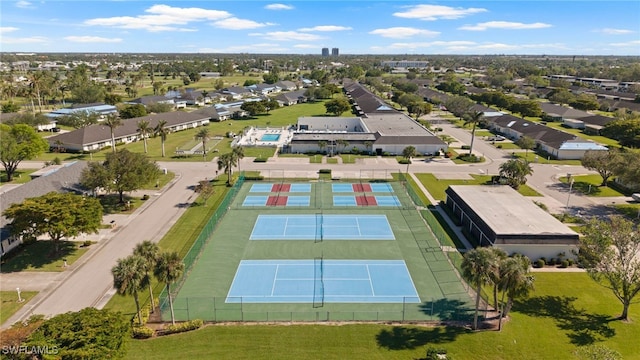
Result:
x=499 y=216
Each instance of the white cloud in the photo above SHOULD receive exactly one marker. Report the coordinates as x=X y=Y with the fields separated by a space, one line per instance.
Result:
x=92 y=39
x=252 y=48
x=633 y=43
x=326 y=28
x=403 y=32
x=610 y=31
x=162 y=18
x=278 y=7
x=7 y=29
x=24 y=4
x=436 y=12
x=416 y=45
x=288 y=36
x=504 y=25
x=306 y=46
x=27 y=40
x=234 y=23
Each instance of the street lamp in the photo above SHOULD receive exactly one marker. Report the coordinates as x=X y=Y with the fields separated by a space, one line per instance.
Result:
x=570 y=187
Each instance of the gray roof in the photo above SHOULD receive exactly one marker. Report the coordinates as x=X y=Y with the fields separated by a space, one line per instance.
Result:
x=99 y=132
x=291 y=95
x=395 y=124
x=314 y=137
x=565 y=112
x=61 y=179
x=538 y=132
x=507 y=212
x=410 y=140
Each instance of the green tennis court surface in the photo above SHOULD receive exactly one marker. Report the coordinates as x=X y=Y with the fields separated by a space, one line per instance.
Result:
x=226 y=284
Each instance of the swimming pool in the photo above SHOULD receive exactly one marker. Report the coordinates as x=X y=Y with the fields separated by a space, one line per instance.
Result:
x=270 y=137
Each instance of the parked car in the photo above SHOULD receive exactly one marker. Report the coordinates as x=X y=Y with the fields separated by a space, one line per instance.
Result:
x=636 y=197
x=496 y=138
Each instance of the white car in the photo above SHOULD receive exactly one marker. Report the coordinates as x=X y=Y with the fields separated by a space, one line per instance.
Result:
x=636 y=197
x=496 y=138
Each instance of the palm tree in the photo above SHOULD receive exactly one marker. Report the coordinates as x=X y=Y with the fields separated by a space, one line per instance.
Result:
x=342 y=143
x=129 y=277
x=515 y=281
x=477 y=269
x=368 y=145
x=148 y=251
x=169 y=269
x=162 y=131
x=499 y=256
x=144 y=130
x=238 y=152
x=203 y=135
x=474 y=118
x=408 y=153
x=113 y=121
x=322 y=144
x=516 y=172
x=227 y=162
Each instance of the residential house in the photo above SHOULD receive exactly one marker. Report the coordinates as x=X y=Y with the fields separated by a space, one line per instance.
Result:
x=98 y=136
x=291 y=98
x=286 y=85
x=63 y=178
x=264 y=89
x=215 y=113
x=236 y=92
x=152 y=99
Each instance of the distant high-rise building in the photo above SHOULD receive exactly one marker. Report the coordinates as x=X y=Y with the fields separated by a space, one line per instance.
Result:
x=325 y=51
x=335 y=52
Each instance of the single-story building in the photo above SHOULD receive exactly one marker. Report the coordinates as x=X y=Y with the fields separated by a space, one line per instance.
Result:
x=497 y=215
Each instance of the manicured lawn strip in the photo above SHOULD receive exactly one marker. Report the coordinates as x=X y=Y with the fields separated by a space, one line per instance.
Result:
x=417 y=190
x=179 y=238
x=162 y=180
x=566 y=309
x=532 y=157
x=39 y=256
x=436 y=187
x=20 y=176
x=632 y=211
x=332 y=160
x=505 y=145
x=9 y=302
x=590 y=185
x=351 y=159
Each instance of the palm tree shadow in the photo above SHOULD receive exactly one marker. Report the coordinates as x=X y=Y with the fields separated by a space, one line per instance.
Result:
x=582 y=328
x=448 y=310
x=402 y=337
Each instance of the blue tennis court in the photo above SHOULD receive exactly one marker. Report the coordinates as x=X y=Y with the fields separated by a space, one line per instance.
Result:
x=322 y=227
x=333 y=281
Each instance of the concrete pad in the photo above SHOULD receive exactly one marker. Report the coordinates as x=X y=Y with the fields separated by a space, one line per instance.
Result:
x=28 y=280
x=453 y=176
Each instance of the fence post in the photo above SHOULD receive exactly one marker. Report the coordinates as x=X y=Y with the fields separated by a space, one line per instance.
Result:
x=404 y=307
x=188 y=317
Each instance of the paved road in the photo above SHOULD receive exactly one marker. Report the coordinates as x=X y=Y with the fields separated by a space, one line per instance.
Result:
x=89 y=282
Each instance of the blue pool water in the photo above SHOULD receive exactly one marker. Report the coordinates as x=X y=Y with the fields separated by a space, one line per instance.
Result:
x=270 y=137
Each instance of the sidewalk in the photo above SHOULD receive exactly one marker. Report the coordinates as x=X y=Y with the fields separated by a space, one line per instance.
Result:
x=444 y=215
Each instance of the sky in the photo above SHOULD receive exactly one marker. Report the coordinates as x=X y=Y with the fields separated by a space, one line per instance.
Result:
x=568 y=27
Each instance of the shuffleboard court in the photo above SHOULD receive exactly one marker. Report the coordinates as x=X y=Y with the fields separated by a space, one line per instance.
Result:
x=370 y=200
x=253 y=200
x=268 y=188
x=342 y=188
x=322 y=227
x=330 y=281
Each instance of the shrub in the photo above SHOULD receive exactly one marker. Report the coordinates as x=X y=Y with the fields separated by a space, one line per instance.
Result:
x=564 y=264
x=254 y=177
x=552 y=261
x=465 y=147
x=144 y=314
x=324 y=171
x=499 y=146
x=386 y=153
x=544 y=259
x=472 y=158
x=87 y=243
x=540 y=263
x=559 y=261
x=183 y=327
x=404 y=161
x=142 y=332
x=260 y=160
x=435 y=353
x=570 y=261
x=145 y=197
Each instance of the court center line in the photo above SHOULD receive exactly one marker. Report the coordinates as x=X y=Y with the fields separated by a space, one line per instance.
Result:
x=275 y=276
x=358 y=225
x=286 y=225
x=373 y=293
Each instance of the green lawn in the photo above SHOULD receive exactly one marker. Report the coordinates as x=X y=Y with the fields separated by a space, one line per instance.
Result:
x=332 y=160
x=565 y=311
x=532 y=157
x=590 y=185
x=631 y=211
x=40 y=256
x=505 y=145
x=9 y=302
x=19 y=176
x=436 y=187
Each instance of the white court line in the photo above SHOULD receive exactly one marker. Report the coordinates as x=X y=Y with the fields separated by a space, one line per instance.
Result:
x=275 y=276
x=373 y=293
x=358 y=226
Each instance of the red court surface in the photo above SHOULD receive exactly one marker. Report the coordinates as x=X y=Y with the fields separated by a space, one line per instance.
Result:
x=361 y=187
x=281 y=188
x=277 y=201
x=366 y=200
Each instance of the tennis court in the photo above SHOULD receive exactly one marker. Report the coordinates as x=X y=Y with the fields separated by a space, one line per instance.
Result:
x=365 y=187
x=322 y=227
x=329 y=281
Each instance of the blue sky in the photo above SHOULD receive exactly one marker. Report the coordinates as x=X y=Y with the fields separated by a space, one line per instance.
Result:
x=304 y=27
